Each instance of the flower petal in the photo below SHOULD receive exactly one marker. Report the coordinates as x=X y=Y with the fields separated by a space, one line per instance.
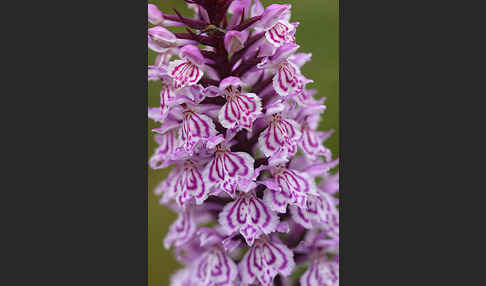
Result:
x=240 y=111
x=321 y=272
x=281 y=33
x=264 y=261
x=280 y=134
x=196 y=127
x=286 y=81
x=184 y=73
x=214 y=267
x=250 y=216
x=181 y=231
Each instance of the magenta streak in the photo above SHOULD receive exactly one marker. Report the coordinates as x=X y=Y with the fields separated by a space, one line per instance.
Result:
x=302 y=215
x=271 y=33
x=203 y=187
x=312 y=206
x=191 y=181
x=306 y=184
x=242 y=162
x=205 y=125
x=197 y=74
x=272 y=259
x=227 y=270
x=191 y=74
x=283 y=256
x=267 y=214
x=310 y=274
x=290 y=129
x=226 y=112
x=276 y=201
x=216 y=271
x=211 y=170
x=203 y=265
x=179 y=184
x=279 y=77
x=276 y=127
x=230 y=213
x=267 y=137
x=165 y=144
x=248 y=102
x=248 y=267
x=255 y=262
x=282 y=180
x=289 y=74
x=292 y=182
x=196 y=126
x=228 y=161
x=234 y=109
x=176 y=69
x=239 y=212
x=257 y=210
x=220 y=166
x=182 y=223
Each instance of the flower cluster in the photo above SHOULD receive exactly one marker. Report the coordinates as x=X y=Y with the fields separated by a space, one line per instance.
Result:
x=250 y=178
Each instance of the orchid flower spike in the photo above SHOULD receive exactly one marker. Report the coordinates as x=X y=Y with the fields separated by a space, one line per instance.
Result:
x=251 y=181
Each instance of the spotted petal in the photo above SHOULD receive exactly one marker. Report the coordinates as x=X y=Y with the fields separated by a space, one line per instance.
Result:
x=214 y=267
x=227 y=169
x=250 y=216
x=319 y=211
x=280 y=134
x=312 y=145
x=286 y=80
x=294 y=189
x=166 y=143
x=182 y=230
x=195 y=127
x=167 y=96
x=189 y=184
x=321 y=272
x=281 y=33
x=184 y=73
x=240 y=111
x=264 y=261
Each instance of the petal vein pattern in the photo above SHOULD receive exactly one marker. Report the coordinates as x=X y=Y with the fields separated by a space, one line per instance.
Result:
x=227 y=169
x=181 y=231
x=215 y=268
x=286 y=80
x=184 y=183
x=294 y=190
x=321 y=273
x=319 y=212
x=281 y=33
x=195 y=127
x=184 y=73
x=240 y=111
x=250 y=216
x=281 y=134
x=264 y=261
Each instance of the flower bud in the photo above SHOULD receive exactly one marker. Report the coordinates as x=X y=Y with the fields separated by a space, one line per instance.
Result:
x=273 y=13
x=162 y=37
x=234 y=41
x=154 y=15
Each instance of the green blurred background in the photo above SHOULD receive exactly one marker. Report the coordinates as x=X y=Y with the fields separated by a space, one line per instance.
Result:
x=318 y=34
